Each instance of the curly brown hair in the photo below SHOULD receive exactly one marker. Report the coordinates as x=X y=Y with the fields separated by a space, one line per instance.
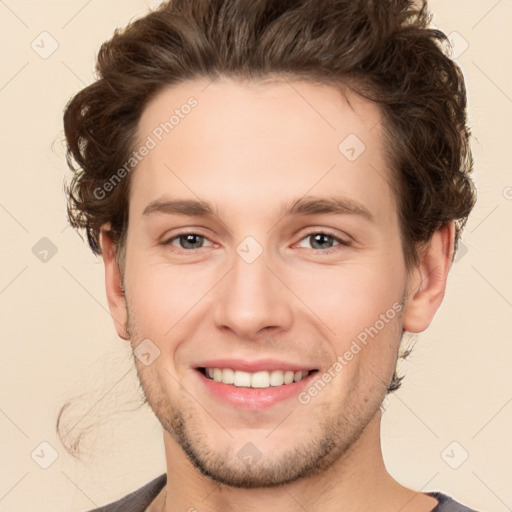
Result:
x=383 y=50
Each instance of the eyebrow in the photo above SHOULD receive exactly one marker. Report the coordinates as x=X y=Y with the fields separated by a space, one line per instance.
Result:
x=301 y=207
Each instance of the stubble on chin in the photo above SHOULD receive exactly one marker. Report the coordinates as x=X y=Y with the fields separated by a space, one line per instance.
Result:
x=333 y=438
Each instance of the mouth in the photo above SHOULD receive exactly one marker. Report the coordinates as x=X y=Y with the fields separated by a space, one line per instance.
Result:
x=261 y=379
x=254 y=391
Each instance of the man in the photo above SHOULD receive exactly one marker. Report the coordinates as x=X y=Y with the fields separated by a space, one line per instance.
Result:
x=277 y=189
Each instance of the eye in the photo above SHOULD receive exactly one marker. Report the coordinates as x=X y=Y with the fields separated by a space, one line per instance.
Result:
x=187 y=241
x=319 y=240
x=323 y=241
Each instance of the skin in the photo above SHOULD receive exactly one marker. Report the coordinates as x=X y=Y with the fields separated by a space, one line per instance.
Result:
x=248 y=149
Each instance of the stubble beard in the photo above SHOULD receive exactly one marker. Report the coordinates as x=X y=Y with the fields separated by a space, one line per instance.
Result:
x=333 y=436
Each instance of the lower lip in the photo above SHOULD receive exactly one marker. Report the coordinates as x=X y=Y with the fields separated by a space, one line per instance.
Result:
x=254 y=398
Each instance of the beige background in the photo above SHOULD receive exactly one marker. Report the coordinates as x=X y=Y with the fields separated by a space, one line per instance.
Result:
x=59 y=343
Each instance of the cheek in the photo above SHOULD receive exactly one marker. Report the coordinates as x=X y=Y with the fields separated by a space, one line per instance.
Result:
x=351 y=298
x=162 y=297
x=365 y=361
x=361 y=306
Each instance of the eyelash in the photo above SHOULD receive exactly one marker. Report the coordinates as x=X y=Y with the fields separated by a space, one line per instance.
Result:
x=341 y=241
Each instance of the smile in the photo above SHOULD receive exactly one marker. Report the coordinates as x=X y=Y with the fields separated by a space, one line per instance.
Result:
x=261 y=379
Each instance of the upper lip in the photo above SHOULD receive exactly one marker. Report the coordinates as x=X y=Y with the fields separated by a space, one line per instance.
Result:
x=253 y=366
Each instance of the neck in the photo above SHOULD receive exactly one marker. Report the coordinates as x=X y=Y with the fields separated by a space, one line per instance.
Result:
x=357 y=481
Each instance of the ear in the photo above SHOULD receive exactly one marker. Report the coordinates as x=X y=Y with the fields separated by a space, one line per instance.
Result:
x=427 y=281
x=114 y=283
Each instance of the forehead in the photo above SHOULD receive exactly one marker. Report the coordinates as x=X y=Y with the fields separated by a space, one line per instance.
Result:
x=248 y=145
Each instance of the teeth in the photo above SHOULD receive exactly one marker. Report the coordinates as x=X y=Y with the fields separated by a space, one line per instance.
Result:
x=277 y=378
x=228 y=376
x=288 y=377
x=261 y=379
x=242 y=379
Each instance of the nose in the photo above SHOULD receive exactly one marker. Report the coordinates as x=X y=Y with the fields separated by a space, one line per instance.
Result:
x=252 y=299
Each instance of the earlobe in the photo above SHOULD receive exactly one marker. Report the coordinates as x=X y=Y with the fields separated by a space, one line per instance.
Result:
x=114 y=283
x=427 y=283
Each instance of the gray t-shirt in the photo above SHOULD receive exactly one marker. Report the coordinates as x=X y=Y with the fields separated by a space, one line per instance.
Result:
x=140 y=499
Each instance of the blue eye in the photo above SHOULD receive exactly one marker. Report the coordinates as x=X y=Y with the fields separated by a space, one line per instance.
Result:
x=187 y=241
x=324 y=241
x=319 y=241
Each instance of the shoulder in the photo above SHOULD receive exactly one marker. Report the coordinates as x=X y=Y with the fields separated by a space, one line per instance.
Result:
x=136 y=501
x=448 y=504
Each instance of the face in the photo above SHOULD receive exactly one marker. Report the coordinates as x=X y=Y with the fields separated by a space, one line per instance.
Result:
x=291 y=262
